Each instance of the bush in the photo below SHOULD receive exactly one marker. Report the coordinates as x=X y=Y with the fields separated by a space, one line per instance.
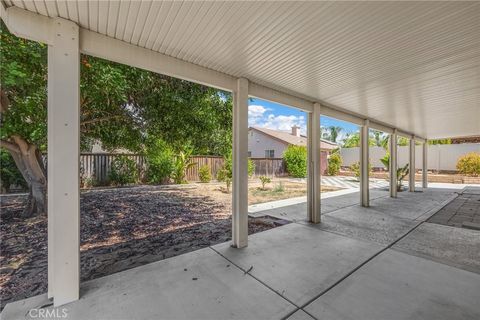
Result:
x=295 y=158
x=225 y=174
x=355 y=167
x=182 y=163
x=469 y=164
x=204 y=174
x=9 y=173
x=264 y=181
x=159 y=159
x=334 y=164
x=123 y=171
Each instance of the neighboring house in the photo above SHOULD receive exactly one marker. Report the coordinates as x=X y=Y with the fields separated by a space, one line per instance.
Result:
x=268 y=143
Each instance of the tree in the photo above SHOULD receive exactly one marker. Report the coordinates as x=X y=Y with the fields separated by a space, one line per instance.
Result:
x=121 y=107
x=334 y=131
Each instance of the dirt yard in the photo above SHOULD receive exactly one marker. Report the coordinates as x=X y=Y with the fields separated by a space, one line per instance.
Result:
x=121 y=228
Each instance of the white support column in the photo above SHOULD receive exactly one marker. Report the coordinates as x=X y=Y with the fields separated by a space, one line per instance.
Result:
x=240 y=165
x=393 y=164
x=425 y=165
x=63 y=163
x=364 y=165
x=411 y=174
x=314 y=168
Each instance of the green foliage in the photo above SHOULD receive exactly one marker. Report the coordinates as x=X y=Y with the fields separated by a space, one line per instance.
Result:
x=295 y=158
x=9 y=174
x=469 y=164
x=402 y=142
x=251 y=168
x=386 y=161
x=440 y=141
x=123 y=171
x=332 y=135
x=279 y=188
x=264 y=180
x=181 y=164
x=159 y=157
x=402 y=172
x=204 y=174
x=355 y=167
x=225 y=174
x=23 y=70
x=334 y=163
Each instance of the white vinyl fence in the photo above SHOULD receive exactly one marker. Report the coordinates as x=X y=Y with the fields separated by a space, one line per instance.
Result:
x=440 y=157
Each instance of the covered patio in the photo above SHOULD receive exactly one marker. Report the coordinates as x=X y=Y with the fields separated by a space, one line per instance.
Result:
x=380 y=262
x=409 y=69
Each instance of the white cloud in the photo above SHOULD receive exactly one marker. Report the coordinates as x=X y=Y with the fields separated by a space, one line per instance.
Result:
x=258 y=116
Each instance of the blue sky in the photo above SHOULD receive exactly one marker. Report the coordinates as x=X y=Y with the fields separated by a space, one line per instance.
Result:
x=275 y=116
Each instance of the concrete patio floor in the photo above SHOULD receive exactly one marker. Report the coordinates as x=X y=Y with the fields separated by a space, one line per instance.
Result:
x=382 y=262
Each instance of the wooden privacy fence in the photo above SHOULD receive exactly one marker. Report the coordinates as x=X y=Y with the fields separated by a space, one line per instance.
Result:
x=271 y=167
x=97 y=166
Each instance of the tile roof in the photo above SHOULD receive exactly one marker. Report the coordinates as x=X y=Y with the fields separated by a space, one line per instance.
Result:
x=288 y=137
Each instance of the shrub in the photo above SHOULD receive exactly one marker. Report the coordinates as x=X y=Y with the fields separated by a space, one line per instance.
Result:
x=182 y=163
x=123 y=171
x=264 y=180
x=225 y=174
x=469 y=164
x=355 y=167
x=9 y=173
x=251 y=168
x=204 y=174
x=279 y=187
x=334 y=164
x=159 y=158
x=295 y=158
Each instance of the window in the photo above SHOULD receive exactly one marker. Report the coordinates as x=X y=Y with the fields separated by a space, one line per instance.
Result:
x=249 y=154
x=269 y=153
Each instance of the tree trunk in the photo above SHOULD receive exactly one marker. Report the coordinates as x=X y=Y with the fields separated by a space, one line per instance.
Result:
x=28 y=159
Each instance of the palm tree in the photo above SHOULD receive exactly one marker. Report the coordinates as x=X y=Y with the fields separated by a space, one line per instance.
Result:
x=334 y=131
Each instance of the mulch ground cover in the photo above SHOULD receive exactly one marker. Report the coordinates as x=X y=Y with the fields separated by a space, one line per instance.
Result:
x=121 y=228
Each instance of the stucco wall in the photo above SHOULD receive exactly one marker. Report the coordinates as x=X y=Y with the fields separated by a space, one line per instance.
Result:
x=440 y=157
x=259 y=142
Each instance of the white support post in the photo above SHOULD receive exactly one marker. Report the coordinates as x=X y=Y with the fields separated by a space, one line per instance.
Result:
x=411 y=174
x=425 y=165
x=63 y=163
x=393 y=164
x=364 y=165
x=240 y=165
x=314 y=168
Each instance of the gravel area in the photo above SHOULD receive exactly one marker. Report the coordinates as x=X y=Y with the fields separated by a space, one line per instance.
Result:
x=121 y=228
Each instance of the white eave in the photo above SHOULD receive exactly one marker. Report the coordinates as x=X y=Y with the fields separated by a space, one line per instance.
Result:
x=414 y=66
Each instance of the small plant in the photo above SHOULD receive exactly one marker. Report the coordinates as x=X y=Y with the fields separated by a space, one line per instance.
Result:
x=295 y=158
x=334 y=164
x=182 y=163
x=469 y=164
x=123 y=171
x=279 y=187
x=355 y=167
x=401 y=172
x=264 y=180
x=204 y=174
x=225 y=174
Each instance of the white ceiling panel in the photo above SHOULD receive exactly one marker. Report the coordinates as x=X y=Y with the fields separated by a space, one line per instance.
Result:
x=412 y=65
